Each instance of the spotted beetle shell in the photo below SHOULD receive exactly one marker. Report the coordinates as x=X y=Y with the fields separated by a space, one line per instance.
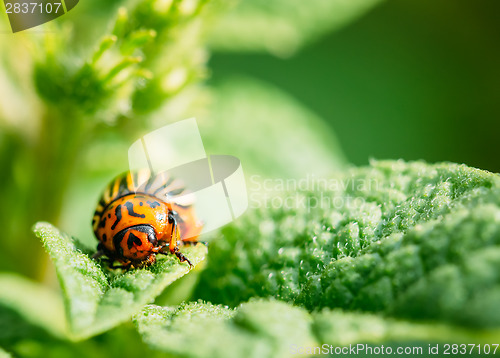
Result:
x=143 y=201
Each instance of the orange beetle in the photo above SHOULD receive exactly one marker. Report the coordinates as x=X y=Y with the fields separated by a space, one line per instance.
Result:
x=139 y=215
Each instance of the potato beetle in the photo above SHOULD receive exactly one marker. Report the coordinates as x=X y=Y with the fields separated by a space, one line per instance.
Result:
x=139 y=215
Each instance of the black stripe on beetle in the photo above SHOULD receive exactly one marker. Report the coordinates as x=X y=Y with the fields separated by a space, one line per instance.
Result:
x=148 y=229
x=117 y=239
x=176 y=192
x=123 y=185
x=153 y=204
x=131 y=212
x=118 y=213
x=169 y=181
x=183 y=206
x=149 y=183
x=132 y=239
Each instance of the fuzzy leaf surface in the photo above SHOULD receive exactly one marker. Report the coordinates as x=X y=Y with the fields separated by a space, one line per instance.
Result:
x=95 y=301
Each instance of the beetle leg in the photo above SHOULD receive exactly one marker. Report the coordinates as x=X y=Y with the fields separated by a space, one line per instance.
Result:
x=150 y=260
x=172 y=244
x=100 y=252
x=181 y=257
x=98 y=255
x=174 y=234
x=123 y=266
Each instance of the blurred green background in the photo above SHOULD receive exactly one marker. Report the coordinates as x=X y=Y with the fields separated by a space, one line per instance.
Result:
x=410 y=79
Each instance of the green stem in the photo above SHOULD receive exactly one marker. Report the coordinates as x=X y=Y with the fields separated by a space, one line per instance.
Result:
x=55 y=158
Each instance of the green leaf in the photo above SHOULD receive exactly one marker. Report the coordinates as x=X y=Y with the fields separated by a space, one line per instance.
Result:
x=256 y=329
x=412 y=240
x=31 y=317
x=268 y=328
x=342 y=328
x=283 y=26
x=32 y=305
x=96 y=302
x=4 y=354
x=296 y=141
